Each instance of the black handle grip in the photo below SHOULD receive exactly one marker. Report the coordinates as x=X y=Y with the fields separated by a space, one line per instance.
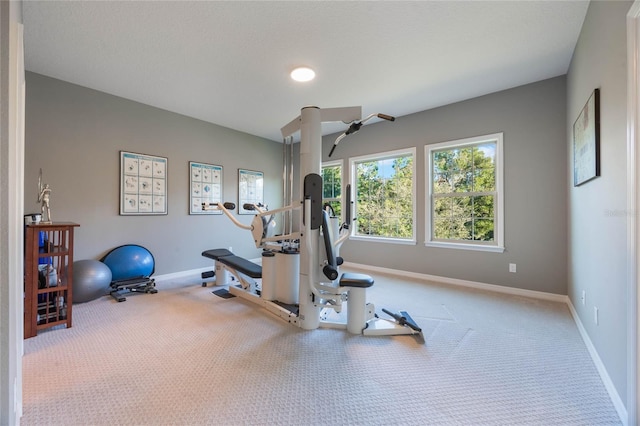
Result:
x=332 y=149
x=387 y=117
x=229 y=206
x=248 y=206
x=349 y=205
x=402 y=320
x=355 y=126
x=391 y=314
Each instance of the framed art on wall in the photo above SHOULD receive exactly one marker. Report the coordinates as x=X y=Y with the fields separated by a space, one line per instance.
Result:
x=205 y=188
x=143 y=184
x=250 y=189
x=586 y=141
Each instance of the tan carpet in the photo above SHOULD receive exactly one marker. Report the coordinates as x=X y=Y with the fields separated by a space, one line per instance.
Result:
x=184 y=356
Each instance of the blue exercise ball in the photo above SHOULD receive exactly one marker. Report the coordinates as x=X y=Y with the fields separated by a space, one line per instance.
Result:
x=130 y=261
x=91 y=279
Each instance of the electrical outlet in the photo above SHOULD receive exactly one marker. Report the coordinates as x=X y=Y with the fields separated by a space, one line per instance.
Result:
x=595 y=314
x=512 y=267
x=584 y=298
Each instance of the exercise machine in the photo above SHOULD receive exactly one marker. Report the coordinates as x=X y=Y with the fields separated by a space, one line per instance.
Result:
x=300 y=280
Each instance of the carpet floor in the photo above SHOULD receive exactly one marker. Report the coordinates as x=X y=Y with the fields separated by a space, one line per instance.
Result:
x=185 y=356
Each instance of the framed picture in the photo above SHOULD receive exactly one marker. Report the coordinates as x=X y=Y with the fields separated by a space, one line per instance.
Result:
x=250 y=189
x=143 y=184
x=586 y=141
x=205 y=188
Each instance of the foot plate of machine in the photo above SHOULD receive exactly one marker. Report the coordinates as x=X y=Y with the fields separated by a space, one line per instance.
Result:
x=224 y=293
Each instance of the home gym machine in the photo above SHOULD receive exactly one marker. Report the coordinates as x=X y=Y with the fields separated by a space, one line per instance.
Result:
x=299 y=278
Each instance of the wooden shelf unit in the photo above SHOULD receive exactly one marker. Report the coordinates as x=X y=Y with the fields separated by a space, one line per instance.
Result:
x=48 y=276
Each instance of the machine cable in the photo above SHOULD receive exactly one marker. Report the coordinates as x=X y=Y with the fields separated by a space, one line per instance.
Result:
x=355 y=126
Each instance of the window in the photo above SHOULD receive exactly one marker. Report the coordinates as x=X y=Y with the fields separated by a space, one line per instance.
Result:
x=465 y=200
x=332 y=186
x=384 y=194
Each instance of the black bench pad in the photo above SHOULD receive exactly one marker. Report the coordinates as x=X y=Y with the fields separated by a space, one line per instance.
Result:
x=215 y=254
x=350 y=279
x=242 y=265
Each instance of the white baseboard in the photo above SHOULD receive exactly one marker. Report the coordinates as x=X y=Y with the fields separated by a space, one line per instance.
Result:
x=182 y=274
x=197 y=271
x=604 y=375
x=387 y=271
x=463 y=283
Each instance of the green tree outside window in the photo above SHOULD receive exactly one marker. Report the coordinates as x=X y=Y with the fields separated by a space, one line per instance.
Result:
x=384 y=197
x=464 y=192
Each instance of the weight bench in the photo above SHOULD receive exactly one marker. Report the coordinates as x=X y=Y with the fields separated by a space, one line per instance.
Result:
x=215 y=254
x=239 y=267
x=242 y=265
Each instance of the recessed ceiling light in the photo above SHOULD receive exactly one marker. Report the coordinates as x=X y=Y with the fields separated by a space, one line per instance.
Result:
x=303 y=74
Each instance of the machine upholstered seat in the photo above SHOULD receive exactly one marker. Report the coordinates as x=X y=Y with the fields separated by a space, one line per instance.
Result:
x=215 y=254
x=350 y=279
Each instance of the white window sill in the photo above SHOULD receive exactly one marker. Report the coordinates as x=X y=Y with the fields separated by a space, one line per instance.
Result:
x=462 y=246
x=383 y=240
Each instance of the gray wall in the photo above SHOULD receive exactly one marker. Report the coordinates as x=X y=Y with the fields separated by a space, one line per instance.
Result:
x=75 y=135
x=533 y=119
x=597 y=209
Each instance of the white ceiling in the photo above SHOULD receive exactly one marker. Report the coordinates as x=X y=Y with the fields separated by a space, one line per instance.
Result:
x=228 y=62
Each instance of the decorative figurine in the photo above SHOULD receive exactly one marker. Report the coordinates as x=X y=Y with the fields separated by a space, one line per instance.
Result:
x=44 y=193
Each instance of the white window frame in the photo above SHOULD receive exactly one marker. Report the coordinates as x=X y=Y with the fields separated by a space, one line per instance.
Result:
x=353 y=161
x=498 y=244
x=340 y=164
